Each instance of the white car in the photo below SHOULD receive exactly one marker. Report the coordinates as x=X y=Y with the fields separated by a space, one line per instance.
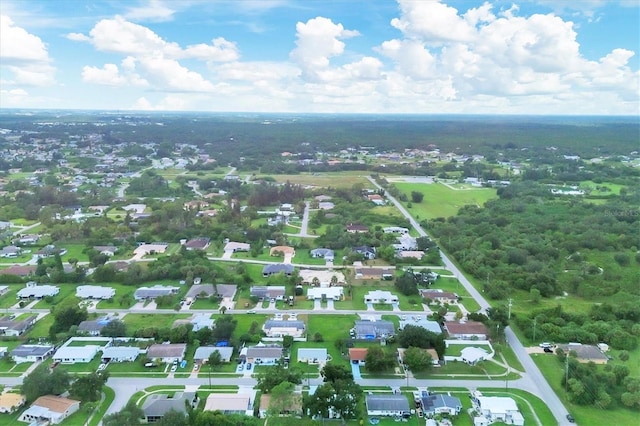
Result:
x=174 y=368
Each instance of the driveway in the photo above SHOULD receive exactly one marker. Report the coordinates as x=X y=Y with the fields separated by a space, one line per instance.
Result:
x=355 y=369
x=330 y=304
x=317 y=304
x=370 y=307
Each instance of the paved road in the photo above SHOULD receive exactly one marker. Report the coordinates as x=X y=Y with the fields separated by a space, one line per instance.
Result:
x=533 y=377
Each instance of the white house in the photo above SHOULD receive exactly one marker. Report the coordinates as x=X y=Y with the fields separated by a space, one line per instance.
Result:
x=76 y=354
x=95 y=292
x=499 y=409
x=313 y=355
x=53 y=409
x=280 y=328
x=167 y=352
x=423 y=322
x=472 y=355
x=37 y=291
x=380 y=296
x=201 y=321
x=267 y=355
x=144 y=293
x=334 y=293
x=120 y=354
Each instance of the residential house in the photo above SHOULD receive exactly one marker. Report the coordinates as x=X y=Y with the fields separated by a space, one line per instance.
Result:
x=19 y=270
x=394 y=405
x=149 y=249
x=33 y=290
x=225 y=291
x=28 y=239
x=196 y=205
x=473 y=355
x=466 y=330
x=76 y=354
x=282 y=251
x=203 y=353
x=437 y=404
x=268 y=292
x=108 y=251
x=31 y=353
x=201 y=321
x=120 y=354
x=325 y=293
x=324 y=253
x=585 y=353
x=10 y=402
x=380 y=296
x=356 y=228
x=281 y=328
x=385 y=274
x=358 y=355
x=234 y=247
x=201 y=243
x=10 y=252
x=50 y=251
x=410 y=254
x=370 y=330
x=167 y=352
x=49 y=409
x=95 y=292
x=5 y=225
x=261 y=354
x=293 y=409
x=277 y=268
x=439 y=296
x=406 y=242
x=145 y=293
x=229 y=403
x=421 y=321
x=11 y=327
x=498 y=409
x=156 y=405
x=376 y=199
x=313 y=355
x=366 y=251
x=93 y=327
x=4 y=289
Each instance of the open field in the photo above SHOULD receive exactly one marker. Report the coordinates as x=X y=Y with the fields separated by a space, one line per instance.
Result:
x=442 y=201
x=324 y=180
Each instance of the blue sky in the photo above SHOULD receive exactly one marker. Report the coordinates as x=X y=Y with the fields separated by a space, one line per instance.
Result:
x=336 y=56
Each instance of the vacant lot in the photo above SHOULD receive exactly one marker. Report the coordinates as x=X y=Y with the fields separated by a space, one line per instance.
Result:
x=442 y=201
x=334 y=180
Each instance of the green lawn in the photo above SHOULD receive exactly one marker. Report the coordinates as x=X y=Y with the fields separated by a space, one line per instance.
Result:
x=333 y=180
x=456 y=350
x=9 y=298
x=441 y=201
x=137 y=321
x=41 y=328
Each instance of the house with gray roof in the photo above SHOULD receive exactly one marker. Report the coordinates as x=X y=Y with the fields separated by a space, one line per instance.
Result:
x=33 y=290
x=76 y=354
x=95 y=292
x=11 y=327
x=313 y=355
x=167 y=352
x=433 y=404
x=261 y=354
x=144 y=293
x=120 y=354
x=92 y=327
x=422 y=322
x=324 y=253
x=31 y=353
x=394 y=405
x=371 y=330
x=10 y=252
x=277 y=268
x=268 y=292
x=157 y=405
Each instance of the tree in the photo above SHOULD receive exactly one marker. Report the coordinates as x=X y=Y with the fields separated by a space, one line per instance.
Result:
x=42 y=381
x=417 y=359
x=378 y=359
x=407 y=283
x=114 y=328
x=215 y=360
x=65 y=315
x=287 y=341
x=419 y=337
x=88 y=388
x=277 y=374
x=130 y=415
x=224 y=328
x=534 y=295
x=333 y=372
x=417 y=196
x=282 y=398
x=173 y=418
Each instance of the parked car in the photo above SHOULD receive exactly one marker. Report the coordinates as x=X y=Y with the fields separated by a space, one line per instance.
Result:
x=548 y=350
x=174 y=367
x=251 y=311
x=248 y=366
x=570 y=418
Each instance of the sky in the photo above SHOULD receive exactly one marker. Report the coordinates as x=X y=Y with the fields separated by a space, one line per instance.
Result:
x=542 y=57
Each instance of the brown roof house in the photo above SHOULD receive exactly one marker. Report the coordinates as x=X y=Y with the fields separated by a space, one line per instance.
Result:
x=466 y=330
x=50 y=408
x=357 y=355
x=10 y=402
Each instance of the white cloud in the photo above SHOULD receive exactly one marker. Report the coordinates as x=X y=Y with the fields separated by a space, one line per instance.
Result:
x=318 y=40
x=220 y=50
x=25 y=55
x=110 y=75
x=154 y=11
x=77 y=37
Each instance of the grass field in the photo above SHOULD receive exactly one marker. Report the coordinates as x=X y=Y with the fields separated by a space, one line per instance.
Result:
x=441 y=201
x=334 y=180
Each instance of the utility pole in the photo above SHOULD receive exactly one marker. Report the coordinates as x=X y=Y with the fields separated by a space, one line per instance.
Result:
x=510 y=304
x=534 y=328
x=566 y=372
